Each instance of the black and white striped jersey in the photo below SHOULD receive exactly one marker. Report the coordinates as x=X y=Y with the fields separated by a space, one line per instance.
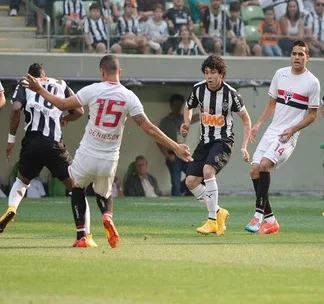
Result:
x=96 y=29
x=127 y=26
x=40 y=115
x=71 y=7
x=216 y=108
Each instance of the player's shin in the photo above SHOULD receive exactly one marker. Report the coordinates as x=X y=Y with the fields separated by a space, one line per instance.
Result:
x=105 y=205
x=17 y=193
x=199 y=192
x=211 y=197
x=79 y=205
x=262 y=195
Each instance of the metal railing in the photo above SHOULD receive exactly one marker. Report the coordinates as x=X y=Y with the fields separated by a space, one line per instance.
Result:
x=30 y=6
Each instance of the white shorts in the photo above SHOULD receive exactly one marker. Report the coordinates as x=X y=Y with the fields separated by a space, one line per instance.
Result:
x=86 y=169
x=271 y=148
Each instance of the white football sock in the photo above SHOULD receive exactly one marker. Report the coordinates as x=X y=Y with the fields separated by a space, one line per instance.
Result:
x=259 y=216
x=17 y=193
x=211 y=197
x=87 y=217
x=270 y=219
x=199 y=193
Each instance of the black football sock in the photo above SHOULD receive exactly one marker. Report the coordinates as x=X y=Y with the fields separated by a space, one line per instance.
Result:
x=105 y=204
x=78 y=203
x=262 y=192
x=267 y=209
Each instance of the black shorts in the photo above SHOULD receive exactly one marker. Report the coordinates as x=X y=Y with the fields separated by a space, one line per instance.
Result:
x=38 y=151
x=216 y=154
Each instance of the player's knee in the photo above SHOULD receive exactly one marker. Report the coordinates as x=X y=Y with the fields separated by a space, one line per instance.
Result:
x=266 y=165
x=254 y=171
x=209 y=172
x=191 y=182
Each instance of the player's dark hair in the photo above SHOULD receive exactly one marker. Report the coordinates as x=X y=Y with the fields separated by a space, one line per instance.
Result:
x=36 y=70
x=176 y=97
x=214 y=62
x=94 y=6
x=302 y=44
x=110 y=64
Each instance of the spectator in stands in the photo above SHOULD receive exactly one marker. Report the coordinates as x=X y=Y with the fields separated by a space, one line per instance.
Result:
x=188 y=44
x=314 y=29
x=236 y=43
x=196 y=7
x=116 y=188
x=141 y=183
x=14 y=7
x=74 y=15
x=106 y=10
x=176 y=16
x=279 y=7
x=39 y=17
x=145 y=8
x=291 y=26
x=212 y=27
x=2 y=96
x=118 y=8
x=156 y=30
x=170 y=125
x=129 y=33
x=95 y=30
x=269 y=30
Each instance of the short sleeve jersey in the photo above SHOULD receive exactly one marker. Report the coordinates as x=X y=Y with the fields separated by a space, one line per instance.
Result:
x=109 y=105
x=294 y=95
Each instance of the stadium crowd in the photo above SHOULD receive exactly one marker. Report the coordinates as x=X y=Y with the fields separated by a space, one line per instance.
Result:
x=186 y=27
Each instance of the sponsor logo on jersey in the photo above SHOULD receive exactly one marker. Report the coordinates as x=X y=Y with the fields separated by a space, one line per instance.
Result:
x=288 y=95
x=212 y=120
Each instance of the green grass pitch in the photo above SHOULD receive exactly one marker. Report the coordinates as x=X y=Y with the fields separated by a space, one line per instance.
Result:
x=160 y=258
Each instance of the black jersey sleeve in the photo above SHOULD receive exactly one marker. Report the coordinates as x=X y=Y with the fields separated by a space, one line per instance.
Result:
x=192 y=101
x=238 y=103
x=19 y=95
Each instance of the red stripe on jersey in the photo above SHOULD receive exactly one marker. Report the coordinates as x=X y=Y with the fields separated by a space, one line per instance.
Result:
x=295 y=96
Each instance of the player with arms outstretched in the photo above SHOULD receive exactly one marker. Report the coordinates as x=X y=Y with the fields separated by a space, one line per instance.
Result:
x=294 y=100
x=97 y=157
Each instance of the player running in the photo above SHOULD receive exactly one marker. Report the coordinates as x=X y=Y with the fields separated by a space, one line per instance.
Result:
x=294 y=99
x=97 y=157
x=217 y=102
x=42 y=144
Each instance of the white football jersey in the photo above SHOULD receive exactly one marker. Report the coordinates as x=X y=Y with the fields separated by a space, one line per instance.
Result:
x=109 y=105
x=294 y=95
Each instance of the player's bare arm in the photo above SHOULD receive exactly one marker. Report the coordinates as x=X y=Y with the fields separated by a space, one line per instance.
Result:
x=267 y=112
x=187 y=116
x=63 y=104
x=2 y=99
x=182 y=151
x=72 y=115
x=13 y=126
x=309 y=118
x=245 y=117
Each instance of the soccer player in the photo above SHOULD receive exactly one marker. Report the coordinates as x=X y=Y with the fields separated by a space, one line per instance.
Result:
x=294 y=99
x=42 y=144
x=2 y=96
x=217 y=102
x=96 y=159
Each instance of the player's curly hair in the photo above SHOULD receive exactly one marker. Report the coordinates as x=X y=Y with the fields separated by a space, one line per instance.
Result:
x=36 y=70
x=214 y=62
